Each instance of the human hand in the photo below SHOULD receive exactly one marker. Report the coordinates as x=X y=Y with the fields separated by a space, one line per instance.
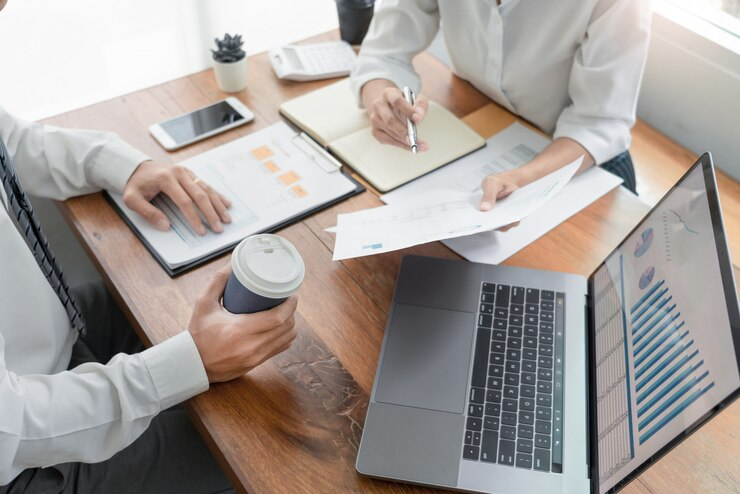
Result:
x=495 y=187
x=231 y=345
x=388 y=113
x=186 y=190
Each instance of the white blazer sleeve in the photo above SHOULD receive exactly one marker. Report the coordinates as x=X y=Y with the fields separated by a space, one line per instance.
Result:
x=605 y=78
x=399 y=30
x=93 y=411
x=61 y=163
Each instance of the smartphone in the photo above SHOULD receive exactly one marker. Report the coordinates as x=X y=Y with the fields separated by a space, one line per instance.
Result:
x=199 y=124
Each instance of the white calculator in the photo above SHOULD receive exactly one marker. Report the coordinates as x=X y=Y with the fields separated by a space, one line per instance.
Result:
x=312 y=62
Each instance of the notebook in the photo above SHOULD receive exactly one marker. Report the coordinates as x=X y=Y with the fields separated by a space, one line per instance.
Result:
x=331 y=116
x=273 y=177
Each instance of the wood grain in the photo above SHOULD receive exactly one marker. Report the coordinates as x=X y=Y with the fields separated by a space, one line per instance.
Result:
x=294 y=424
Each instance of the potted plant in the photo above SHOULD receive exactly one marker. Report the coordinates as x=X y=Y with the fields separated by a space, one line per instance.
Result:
x=230 y=63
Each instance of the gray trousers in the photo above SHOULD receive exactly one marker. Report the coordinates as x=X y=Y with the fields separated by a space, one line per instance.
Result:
x=169 y=456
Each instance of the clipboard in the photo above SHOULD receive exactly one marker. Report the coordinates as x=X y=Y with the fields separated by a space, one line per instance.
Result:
x=310 y=167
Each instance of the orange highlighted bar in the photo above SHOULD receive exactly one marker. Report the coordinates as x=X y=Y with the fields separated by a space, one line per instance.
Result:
x=289 y=178
x=271 y=167
x=299 y=191
x=262 y=152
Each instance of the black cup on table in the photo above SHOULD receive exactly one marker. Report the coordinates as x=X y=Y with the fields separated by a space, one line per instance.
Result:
x=354 y=19
x=265 y=270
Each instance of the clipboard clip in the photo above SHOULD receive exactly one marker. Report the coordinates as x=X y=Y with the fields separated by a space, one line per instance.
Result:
x=319 y=155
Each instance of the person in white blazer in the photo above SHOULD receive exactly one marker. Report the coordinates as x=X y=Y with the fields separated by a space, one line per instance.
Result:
x=572 y=68
x=94 y=414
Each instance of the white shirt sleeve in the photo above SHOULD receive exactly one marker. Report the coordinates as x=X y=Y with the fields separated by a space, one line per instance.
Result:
x=399 y=30
x=61 y=163
x=93 y=411
x=605 y=78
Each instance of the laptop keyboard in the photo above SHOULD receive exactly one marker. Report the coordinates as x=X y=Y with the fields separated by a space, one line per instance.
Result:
x=515 y=401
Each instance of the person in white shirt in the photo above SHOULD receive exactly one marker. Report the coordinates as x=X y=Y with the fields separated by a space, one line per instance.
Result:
x=93 y=414
x=572 y=68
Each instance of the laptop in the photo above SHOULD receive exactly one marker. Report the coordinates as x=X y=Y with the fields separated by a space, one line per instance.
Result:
x=509 y=380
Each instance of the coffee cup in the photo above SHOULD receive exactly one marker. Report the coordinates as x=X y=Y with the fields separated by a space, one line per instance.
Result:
x=265 y=270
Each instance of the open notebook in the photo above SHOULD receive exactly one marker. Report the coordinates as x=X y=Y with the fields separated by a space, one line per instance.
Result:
x=330 y=115
x=273 y=177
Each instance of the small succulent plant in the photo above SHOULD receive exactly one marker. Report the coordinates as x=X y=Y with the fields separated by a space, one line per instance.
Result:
x=229 y=49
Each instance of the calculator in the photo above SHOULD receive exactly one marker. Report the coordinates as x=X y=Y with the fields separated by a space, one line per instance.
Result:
x=312 y=62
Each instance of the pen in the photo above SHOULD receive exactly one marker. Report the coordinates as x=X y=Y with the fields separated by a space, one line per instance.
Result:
x=409 y=96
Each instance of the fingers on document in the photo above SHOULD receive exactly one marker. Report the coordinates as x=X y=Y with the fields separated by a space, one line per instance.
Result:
x=136 y=201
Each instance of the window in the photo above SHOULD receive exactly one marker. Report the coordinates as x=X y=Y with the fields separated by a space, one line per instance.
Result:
x=725 y=14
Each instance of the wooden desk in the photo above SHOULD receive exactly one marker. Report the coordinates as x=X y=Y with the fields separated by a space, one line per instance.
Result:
x=294 y=424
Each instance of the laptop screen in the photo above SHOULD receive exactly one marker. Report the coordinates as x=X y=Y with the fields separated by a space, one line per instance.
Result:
x=663 y=343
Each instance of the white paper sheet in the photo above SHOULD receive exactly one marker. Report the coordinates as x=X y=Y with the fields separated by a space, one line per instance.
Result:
x=270 y=176
x=439 y=214
x=508 y=149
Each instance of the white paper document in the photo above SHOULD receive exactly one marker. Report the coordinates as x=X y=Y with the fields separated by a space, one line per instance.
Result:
x=270 y=176
x=506 y=150
x=439 y=214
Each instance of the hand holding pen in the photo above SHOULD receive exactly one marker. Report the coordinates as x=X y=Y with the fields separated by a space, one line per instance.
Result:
x=390 y=114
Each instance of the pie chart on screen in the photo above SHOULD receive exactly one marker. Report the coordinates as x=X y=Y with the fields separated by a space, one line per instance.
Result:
x=646 y=240
x=647 y=277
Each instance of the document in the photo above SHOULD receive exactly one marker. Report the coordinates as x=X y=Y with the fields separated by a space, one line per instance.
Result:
x=506 y=150
x=439 y=214
x=272 y=177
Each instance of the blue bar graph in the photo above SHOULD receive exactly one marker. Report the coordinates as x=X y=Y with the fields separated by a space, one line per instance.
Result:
x=669 y=372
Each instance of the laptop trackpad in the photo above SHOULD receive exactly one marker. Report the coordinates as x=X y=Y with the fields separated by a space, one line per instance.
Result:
x=426 y=359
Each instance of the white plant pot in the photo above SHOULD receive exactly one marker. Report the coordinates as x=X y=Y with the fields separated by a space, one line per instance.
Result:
x=231 y=77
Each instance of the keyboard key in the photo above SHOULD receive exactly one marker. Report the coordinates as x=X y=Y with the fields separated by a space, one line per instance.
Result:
x=510 y=406
x=498 y=346
x=486 y=298
x=533 y=296
x=517 y=309
x=529 y=342
x=541 y=459
x=515 y=320
x=525 y=431
x=545 y=362
x=523 y=445
x=499 y=324
x=524 y=460
x=546 y=338
x=547 y=305
x=527 y=391
x=506 y=452
x=546 y=327
x=491 y=423
x=498 y=335
x=508 y=432
x=515 y=331
x=476 y=439
x=497 y=358
x=471 y=452
x=548 y=295
x=546 y=316
x=526 y=417
x=511 y=379
x=486 y=309
x=508 y=419
x=496 y=371
x=542 y=441
x=489 y=446
x=544 y=387
x=475 y=410
x=528 y=378
x=493 y=396
x=517 y=295
x=501 y=313
x=474 y=424
x=545 y=350
x=544 y=413
x=468 y=437
x=544 y=400
x=485 y=320
x=531 y=319
x=542 y=427
x=529 y=366
x=544 y=374
x=482 y=339
x=514 y=343
x=530 y=354
x=489 y=287
x=477 y=395
x=513 y=354
x=532 y=309
x=526 y=404
x=512 y=366
x=493 y=409
x=502 y=296
x=511 y=392
x=530 y=331
x=495 y=383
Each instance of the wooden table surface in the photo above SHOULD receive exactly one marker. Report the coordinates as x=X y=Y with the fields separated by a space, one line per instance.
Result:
x=294 y=424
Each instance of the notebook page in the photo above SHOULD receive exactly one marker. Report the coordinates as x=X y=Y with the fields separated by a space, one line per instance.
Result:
x=387 y=167
x=328 y=113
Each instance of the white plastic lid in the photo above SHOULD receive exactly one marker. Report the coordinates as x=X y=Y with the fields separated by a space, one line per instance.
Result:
x=268 y=265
